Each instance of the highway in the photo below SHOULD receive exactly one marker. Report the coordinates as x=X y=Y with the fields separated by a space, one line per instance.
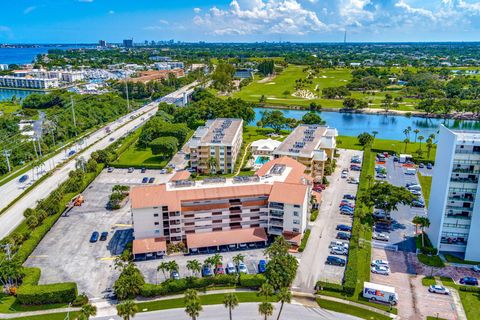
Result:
x=245 y=311
x=98 y=140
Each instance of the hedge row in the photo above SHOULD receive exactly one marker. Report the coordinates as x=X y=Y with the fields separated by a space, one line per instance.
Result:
x=303 y=244
x=176 y=286
x=469 y=289
x=47 y=294
x=322 y=285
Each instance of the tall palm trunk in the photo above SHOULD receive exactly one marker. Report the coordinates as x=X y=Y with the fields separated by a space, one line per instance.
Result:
x=230 y=312
x=280 y=311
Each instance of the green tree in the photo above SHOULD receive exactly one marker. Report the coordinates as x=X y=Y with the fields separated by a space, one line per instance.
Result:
x=192 y=304
x=429 y=147
x=416 y=131
x=387 y=197
x=423 y=222
x=127 y=309
x=282 y=266
x=365 y=139
x=238 y=258
x=213 y=165
x=420 y=139
x=265 y=291
x=129 y=282
x=284 y=296
x=216 y=260
x=312 y=118
x=194 y=266
x=265 y=309
x=230 y=301
x=164 y=266
x=406 y=141
x=87 y=311
x=166 y=146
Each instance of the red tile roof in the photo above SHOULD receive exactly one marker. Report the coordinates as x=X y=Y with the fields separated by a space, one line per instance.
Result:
x=180 y=175
x=296 y=174
x=149 y=245
x=222 y=238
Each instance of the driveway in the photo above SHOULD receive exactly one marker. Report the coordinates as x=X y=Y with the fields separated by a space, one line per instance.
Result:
x=312 y=267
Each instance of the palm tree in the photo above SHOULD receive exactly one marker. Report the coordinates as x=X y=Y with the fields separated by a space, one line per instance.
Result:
x=80 y=163
x=374 y=133
x=265 y=291
x=172 y=266
x=284 y=295
x=230 y=301
x=238 y=258
x=406 y=133
x=423 y=222
x=429 y=147
x=163 y=267
x=192 y=304
x=216 y=260
x=127 y=309
x=265 y=309
x=87 y=311
x=212 y=165
x=416 y=131
x=406 y=141
x=420 y=138
x=194 y=266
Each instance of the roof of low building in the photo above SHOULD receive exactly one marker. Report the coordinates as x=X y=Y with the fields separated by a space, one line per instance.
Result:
x=180 y=175
x=223 y=238
x=149 y=245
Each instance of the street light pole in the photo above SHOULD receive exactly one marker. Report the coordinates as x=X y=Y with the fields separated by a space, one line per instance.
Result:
x=6 y=154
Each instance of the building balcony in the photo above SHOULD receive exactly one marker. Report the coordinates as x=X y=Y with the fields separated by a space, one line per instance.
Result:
x=462 y=209
x=275 y=230
x=460 y=198
x=276 y=215
x=458 y=216
x=466 y=170
x=275 y=223
x=464 y=180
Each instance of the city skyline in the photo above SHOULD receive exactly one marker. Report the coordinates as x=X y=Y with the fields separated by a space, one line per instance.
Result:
x=47 y=21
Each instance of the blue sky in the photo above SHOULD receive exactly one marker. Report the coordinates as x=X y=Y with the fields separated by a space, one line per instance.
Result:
x=80 y=21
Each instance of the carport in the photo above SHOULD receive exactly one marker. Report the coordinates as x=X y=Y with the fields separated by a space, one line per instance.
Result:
x=230 y=238
x=150 y=248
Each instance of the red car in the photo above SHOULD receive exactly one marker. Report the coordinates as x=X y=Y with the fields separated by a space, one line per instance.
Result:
x=219 y=269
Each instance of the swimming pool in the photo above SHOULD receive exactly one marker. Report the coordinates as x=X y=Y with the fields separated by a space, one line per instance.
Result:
x=259 y=160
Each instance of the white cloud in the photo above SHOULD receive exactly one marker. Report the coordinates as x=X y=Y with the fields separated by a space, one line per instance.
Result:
x=260 y=17
x=475 y=6
x=29 y=9
x=85 y=0
x=197 y=10
x=416 y=11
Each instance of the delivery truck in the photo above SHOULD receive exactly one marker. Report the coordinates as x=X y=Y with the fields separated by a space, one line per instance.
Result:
x=379 y=292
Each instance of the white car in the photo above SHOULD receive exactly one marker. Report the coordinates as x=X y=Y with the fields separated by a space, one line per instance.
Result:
x=381 y=270
x=339 y=250
x=438 y=289
x=242 y=268
x=476 y=268
x=380 y=263
x=380 y=236
x=338 y=244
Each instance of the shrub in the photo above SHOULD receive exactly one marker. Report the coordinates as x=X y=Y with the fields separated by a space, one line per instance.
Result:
x=32 y=276
x=327 y=286
x=252 y=280
x=80 y=300
x=303 y=244
x=469 y=289
x=152 y=290
x=47 y=294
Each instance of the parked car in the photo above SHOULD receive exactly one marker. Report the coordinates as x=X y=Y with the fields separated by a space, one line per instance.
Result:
x=438 y=289
x=94 y=237
x=344 y=174
x=346 y=212
x=104 y=236
x=219 y=269
x=242 y=268
x=206 y=271
x=470 y=281
x=353 y=180
x=396 y=159
x=145 y=180
x=346 y=204
x=355 y=168
x=110 y=169
x=23 y=178
x=410 y=184
x=344 y=227
x=476 y=268
x=230 y=268
x=429 y=166
x=380 y=270
x=339 y=251
x=151 y=180
x=416 y=193
x=338 y=244
x=143 y=170
x=130 y=170
x=242 y=246
x=163 y=171
x=71 y=153
x=380 y=262
x=418 y=204
x=380 y=236
x=336 y=261
x=421 y=165
x=381 y=215
x=349 y=196
x=347 y=209
x=174 y=275
x=381 y=176
x=414 y=188
x=262 y=266
x=343 y=236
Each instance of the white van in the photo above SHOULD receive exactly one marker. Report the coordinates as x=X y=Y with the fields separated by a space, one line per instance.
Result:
x=378 y=292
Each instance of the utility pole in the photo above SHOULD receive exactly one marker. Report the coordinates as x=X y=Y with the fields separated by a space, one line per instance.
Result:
x=39 y=145
x=73 y=115
x=35 y=148
x=126 y=88
x=6 y=154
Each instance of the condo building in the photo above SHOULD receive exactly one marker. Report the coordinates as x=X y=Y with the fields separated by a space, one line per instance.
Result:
x=215 y=146
x=454 y=211
x=223 y=213
x=28 y=82
x=312 y=146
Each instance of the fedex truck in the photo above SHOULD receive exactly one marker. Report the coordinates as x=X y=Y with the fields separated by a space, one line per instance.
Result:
x=379 y=292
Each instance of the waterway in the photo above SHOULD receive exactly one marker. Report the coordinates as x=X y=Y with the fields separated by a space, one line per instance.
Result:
x=387 y=126
x=7 y=94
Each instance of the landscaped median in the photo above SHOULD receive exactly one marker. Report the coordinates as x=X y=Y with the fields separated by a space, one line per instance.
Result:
x=470 y=297
x=350 y=309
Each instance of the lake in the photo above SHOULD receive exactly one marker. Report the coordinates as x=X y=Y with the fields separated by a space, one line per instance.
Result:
x=27 y=55
x=7 y=94
x=387 y=126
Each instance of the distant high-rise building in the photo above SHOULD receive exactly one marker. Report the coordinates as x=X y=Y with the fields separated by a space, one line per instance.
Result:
x=128 y=43
x=102 y=43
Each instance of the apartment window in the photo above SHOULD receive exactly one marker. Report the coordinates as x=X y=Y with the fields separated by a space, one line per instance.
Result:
x=217 y=229
x=256 y=225
x=157 y=231
x=189 y=223
x=295 y=213
x=295 y=230
x=155 y=214
x=216 y=214
x=189 y=216
x=217 y=221
x=156 y=223
x=296 y=206
x=296 y=222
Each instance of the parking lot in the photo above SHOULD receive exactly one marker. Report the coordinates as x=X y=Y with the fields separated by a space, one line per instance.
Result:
x=402 y=230
x=122 y=176
x=312 y=267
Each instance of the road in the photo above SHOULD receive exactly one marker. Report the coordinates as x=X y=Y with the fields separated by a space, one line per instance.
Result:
x=245 y=311
x=12 y=217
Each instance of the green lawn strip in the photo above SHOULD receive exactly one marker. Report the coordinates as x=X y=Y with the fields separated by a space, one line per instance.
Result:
x=303 y=244
x=432 y=261
x=314 y=215
x=470 y=300
x=351 y=310
x=361 y=300
x=428 y=281
x=454 y=259
x=435 y=318
x=50 y=316
x=8 y=304
x=391 y=146
x=426 y=183
x=209 y=299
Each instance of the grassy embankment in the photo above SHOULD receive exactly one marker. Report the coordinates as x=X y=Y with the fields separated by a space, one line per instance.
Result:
x=351 y=310
x=275 y=89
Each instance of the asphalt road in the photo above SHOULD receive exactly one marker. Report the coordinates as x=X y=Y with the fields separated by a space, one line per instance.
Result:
x=245 y=311
x=11 y=218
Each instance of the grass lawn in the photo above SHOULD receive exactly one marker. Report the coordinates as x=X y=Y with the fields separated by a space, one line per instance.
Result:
x=137 y=157
x=303 y=244
x=432 y=261
x=209 y=299
x=8 y=304
x=470 y=300
x=428 y=281
x=454 y=259
x=9 y=107
x=275 y=89
x=51 y=316
x=348 y=142
x=351 y=310
x=426 y=183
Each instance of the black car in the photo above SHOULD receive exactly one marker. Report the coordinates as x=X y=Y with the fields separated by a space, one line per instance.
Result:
x=343 y=236
x=151 y=180
x=94 y=237
x=344 y=227
x=143 y=170
x=104 y=236
x=145 y=180
x=23 y=178
x=336 y=261
x=470 y=281
x=349 y=196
